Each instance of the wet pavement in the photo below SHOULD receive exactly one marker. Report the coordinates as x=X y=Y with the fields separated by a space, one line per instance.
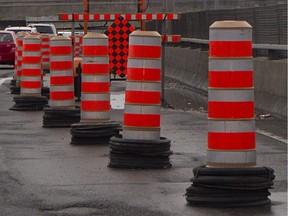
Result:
x=42 y=174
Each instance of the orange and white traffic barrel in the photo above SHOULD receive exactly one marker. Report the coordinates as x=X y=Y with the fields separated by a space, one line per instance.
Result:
x=62 y=112
x=231 y=125
x=78 y=39
x=61 y=73
x=45 y=49
x=31 y=76
x=231 y=156
x=95 y=125
x=141 y=141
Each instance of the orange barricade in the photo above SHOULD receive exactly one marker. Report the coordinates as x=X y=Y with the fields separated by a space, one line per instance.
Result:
x=45 y=49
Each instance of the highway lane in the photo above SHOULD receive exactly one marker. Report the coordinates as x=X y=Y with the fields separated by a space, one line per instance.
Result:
x=42 y=174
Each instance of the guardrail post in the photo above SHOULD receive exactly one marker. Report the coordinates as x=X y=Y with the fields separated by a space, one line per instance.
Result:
x=231 y=154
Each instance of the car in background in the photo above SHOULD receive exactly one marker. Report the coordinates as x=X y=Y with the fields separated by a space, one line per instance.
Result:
x=17 y=29
x=44 y=28
x=7 y=47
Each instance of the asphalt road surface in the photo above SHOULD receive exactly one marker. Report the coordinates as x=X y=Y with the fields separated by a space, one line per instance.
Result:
x=42 y=174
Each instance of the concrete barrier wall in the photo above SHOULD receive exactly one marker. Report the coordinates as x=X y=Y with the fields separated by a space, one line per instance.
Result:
x=190 y=67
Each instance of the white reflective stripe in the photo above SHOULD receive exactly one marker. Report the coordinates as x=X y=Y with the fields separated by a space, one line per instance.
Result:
x=101 y=16
x=30 y=66
x=143 y=16
x=95 y=97
x=230 y=64
x=61 y=58
x=60 y=43
x=154 y=16
x=31 y=78
x=144 y=86
x=56 y=73
x=70 y=17
x=32 y=54
x=30 y=91
x=80 y=17
x=175 y=16
x=230 y=34
x=58 y=88
x=95 y=78
x=95 y=42
x=239 y=95
x=141 y=134
x=35 y=41
x=91 y=17
x=96 y=60
x=231 y=126
x=133 y=16
x=112 y=17
x=144 y=41
x=61 y=103
x=231 y=156
x=95 y=115
x=138 y=109
x=144 y=63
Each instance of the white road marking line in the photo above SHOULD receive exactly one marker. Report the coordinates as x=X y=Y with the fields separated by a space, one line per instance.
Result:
x=265 y=133
x=2 y=80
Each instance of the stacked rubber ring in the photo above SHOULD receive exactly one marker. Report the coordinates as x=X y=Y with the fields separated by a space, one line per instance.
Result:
x=30 y=98
x=230 y=177
x=141 y=145
x=95 y=125
x=62 y=112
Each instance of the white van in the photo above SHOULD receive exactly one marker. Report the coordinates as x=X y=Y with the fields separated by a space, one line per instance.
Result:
x=45 y=28
x=17 y=29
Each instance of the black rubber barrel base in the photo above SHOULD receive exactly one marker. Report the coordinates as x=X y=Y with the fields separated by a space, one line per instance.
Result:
x=60 y=118
x=93 y=133
x=29 y=103
x=15 y=90
x=45 y=91
x=139 y=154
x=13 y=82
x=230 y=187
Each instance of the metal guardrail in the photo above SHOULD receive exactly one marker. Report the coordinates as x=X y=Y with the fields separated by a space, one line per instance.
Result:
x=274 y=51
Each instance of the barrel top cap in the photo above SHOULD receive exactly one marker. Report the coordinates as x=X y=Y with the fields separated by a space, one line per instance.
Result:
x=139 y=33
x=94 y=35
x=230 y=24
x=22 y=34
x=32 y=37
x=60 y=38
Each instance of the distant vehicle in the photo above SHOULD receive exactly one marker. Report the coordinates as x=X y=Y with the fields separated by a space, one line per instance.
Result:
x=45 y=28
x=17 y=29
x=7 y=47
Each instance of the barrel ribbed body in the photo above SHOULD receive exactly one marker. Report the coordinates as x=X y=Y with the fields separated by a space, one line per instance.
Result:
x=142 y=99
x=231 y=126
x=45 y=50
x=95 y=93
x=31 y=77
x=19 y=45
x=61 y=73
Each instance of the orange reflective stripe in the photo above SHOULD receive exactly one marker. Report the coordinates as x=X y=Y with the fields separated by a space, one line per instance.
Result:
x=31 y=72
x=31 y=59
x=69 y=95
x=95 y=105
x=231 y=141
x=143 y=74
x=95 y=50
x=230 y=79
x=136 y=51
x=142 y=120
x=95 y=68
x=63 y=16
x=88 y=87
x=31 y=47
x=61 y=50
x=231 y=109
x=30 y=84
x=230 y=49
x=60 y=65
x=61 y=80
x=142 y=97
